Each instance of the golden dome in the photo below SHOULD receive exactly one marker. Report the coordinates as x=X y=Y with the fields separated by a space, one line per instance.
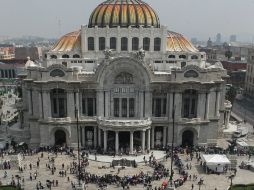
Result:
x=177 y=42
x=68 y=42
x=124 y=13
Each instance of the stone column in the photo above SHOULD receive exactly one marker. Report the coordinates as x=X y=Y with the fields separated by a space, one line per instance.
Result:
x=217 y=108
x=77 y=103
x=47 y=104
x=148 y=104
x=116 y=142
x=131 y=142
x=207 y=106
x=40 y=105
x=141 y=104
x=201 y=105
x=105 y=140
x=95 y=136
x=70 y=105
x=152 y=136
x=148 y=140
x=143 y=140
x=178 y=103
x=164 y=136
x=99 y=137
x=99 y=104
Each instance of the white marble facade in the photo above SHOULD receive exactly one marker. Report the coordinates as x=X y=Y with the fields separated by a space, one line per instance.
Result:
x=125 y=99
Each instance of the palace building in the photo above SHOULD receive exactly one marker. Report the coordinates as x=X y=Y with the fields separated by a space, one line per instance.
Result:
x=120 y=77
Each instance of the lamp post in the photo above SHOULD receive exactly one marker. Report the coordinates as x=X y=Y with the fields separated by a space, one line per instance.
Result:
x=76 y=114
x=172 y=148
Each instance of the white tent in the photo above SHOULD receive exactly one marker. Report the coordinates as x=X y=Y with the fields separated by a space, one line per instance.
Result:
x=216 y=162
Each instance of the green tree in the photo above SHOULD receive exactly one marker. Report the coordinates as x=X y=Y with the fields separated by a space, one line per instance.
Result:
x=231 y=94
x=228 y=54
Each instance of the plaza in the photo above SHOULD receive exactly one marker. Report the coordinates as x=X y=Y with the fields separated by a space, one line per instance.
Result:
x=212 y=181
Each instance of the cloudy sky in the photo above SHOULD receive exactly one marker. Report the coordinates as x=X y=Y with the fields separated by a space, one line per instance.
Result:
x=194 y=18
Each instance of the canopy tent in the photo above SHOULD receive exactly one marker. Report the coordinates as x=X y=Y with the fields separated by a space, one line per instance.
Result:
x=215 y=162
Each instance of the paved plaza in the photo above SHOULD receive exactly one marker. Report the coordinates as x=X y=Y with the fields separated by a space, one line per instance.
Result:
x=212 y=181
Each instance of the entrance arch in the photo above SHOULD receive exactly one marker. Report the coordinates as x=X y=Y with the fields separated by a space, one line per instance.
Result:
x=188 y=138
x=60 y=138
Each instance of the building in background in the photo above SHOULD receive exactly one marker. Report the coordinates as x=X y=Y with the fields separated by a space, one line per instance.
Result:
x=249 y=81
x=218 y=39
x=7 y=51
x=232 y=38
x=35 y=53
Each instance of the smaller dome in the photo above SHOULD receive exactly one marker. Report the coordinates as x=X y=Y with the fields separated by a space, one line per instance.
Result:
x=124 y=13
x=177 y=42
x=68 y=42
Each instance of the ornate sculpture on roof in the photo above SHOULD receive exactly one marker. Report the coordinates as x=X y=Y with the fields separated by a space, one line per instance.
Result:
x=108 y=53
x=141 y=54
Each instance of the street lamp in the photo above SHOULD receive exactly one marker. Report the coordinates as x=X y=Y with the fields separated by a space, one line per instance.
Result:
x=171 y=185
x=76 y=114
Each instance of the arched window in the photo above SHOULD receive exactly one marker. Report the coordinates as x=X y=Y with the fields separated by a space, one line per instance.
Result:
x=57 y=73
x=157 y=44
x=124 y=44
x=146 y=44
x=90 y=43
x=194 y=57
x=76 y=56
x=182 y=57
x=171 y=56
x=58 y=103
x=135 y=44
x=65 y=56
x=113 y=43
x=190 y=102
x=102 y=43
x=53 y=57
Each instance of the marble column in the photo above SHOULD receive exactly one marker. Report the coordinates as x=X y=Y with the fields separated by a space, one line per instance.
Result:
x=152 y=136
x=99 y=137
x=70 y=105
x=131 y=142
x=105 y=140
x=217 y=106
x=143 y=141
x=141 y=104
x=164 y=136
x=116 y=142
x=148 y=146
x=207 y=106
x=95 y=136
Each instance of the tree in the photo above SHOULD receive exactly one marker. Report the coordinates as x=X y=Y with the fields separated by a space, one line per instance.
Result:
x=231 y=94
x=228 y=54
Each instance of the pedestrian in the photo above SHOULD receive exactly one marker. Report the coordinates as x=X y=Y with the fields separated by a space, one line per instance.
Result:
x=192 y=186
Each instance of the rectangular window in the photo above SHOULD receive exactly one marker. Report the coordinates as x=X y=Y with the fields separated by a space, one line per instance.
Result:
x=124 y=107
x=61 y=108
x=54 y=106
x=164 y=107
x=158 y=107
x=116 y=107
x=90 y=107
x=84 y=111
x=186 y=108
x=193 y=107
x=131 y=107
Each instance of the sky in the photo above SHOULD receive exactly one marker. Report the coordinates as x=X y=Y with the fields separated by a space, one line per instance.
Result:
x=193 y=18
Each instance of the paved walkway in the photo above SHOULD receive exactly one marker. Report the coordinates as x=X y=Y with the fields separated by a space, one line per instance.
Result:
x=140 y=158
x=212 y=181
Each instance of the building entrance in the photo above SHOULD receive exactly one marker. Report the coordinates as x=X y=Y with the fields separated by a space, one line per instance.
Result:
x=124 y=140
x=60 y=138
x=187 y=138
